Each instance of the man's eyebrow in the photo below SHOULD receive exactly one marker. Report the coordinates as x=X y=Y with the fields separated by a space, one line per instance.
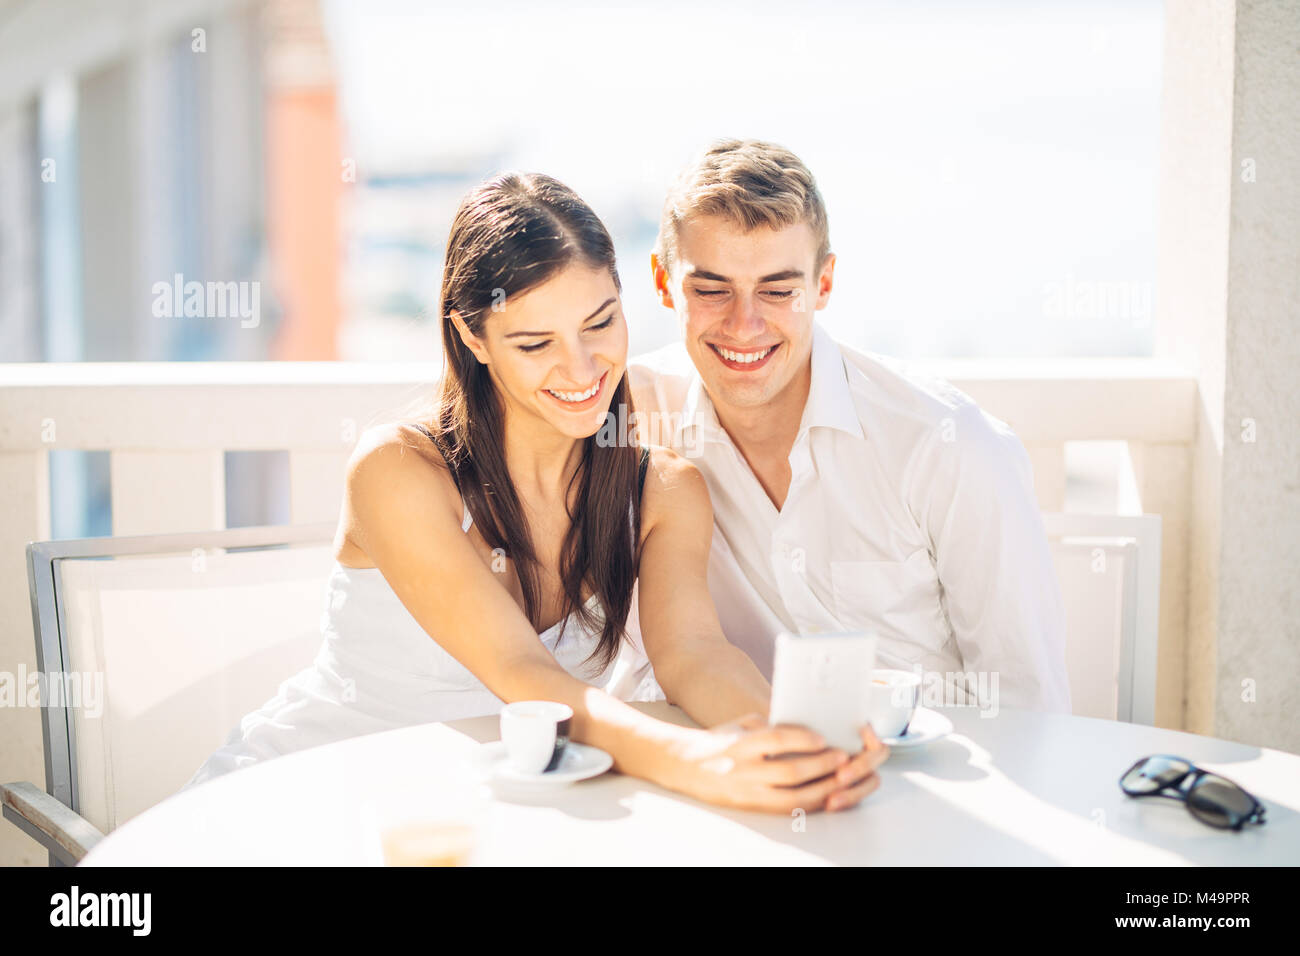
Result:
x=604 y=305
x=774 y=277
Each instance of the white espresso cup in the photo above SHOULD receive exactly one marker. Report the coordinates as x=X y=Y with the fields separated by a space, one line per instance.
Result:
x=893 y=699
x=535 y=733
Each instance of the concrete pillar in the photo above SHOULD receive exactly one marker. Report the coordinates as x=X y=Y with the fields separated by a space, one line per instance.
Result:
x=1229 y=307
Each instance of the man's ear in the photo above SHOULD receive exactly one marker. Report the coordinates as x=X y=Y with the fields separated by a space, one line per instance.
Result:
x=471 y=340
x=824 y=282
x=660 y=276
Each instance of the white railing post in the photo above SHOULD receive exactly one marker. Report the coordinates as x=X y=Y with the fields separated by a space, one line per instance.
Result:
x=1162 y=472
x=155 y=492
x=316 y=485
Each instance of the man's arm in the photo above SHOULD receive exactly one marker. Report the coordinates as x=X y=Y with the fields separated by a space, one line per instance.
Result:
x=971 y=487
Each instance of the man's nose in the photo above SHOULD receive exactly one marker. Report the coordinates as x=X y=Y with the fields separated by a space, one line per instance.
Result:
x=743 y=322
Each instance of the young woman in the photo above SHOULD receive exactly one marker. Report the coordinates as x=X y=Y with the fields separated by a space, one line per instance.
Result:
x=493 y=553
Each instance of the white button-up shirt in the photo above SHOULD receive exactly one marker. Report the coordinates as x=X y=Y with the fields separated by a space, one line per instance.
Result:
x=910 y=513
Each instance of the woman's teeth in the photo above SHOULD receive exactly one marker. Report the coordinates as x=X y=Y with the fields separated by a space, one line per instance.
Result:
x=743 y=357
x=576 y=396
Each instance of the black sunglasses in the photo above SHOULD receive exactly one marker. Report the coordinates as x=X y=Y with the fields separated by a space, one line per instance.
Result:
x=1212 y=799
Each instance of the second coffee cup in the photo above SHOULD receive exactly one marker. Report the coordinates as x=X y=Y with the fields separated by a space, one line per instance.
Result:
x=895 y=695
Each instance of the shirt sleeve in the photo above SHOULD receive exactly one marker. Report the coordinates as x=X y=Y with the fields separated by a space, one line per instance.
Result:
x=973 y=492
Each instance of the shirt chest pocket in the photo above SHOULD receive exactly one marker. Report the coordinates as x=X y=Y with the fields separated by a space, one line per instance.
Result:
x=898 y=599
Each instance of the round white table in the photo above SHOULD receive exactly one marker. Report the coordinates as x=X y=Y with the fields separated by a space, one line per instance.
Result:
x=1015 y=788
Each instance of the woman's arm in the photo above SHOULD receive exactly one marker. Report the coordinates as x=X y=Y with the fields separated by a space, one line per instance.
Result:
x=404 y=512
x=699 y=670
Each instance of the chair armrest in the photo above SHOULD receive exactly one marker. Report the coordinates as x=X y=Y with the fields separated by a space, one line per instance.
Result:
x=64 y=832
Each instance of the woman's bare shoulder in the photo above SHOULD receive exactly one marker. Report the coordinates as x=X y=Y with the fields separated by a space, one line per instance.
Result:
x=395 y=470
x=398 y=449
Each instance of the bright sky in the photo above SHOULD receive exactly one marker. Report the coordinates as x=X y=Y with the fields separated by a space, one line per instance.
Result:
x=979 y=161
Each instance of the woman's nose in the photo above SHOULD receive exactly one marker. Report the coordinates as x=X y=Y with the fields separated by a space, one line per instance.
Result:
x=579 y=367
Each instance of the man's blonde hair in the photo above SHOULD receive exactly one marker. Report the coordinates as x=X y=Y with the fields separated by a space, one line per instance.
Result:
x=749 y=183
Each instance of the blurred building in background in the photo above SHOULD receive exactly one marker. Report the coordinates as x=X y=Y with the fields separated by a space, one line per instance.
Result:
x=133 y=136
x=149 y=146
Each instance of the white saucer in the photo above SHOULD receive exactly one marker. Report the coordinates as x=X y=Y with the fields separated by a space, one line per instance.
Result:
x=926 y=727
x=580 y=761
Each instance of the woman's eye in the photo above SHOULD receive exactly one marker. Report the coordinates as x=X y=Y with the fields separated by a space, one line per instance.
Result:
x=534 y=348
x=604 y=325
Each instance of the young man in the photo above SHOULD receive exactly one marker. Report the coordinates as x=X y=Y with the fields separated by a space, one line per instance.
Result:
x=848 y=491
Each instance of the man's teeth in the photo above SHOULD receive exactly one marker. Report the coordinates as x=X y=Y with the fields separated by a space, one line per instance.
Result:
x=576 y=396
x=743 y=357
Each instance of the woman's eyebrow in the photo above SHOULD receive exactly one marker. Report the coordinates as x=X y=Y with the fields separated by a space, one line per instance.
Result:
x=600 y=308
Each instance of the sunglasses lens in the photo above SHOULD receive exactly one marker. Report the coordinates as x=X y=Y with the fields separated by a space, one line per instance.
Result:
x=1153 y=773
x=1219 y=802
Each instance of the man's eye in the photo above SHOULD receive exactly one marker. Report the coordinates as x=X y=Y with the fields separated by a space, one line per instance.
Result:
x=710 y=293
x=534 y=348
x=779 y=293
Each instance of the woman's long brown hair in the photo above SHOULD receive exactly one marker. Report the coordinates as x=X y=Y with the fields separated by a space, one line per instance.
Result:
x=510 y=235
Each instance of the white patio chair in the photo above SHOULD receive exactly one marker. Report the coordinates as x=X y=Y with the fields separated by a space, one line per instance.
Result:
x=170 y=640
x=1109 y=570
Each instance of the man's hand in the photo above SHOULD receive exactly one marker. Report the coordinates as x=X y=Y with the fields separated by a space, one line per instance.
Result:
x=858 y=777
x=854 y=780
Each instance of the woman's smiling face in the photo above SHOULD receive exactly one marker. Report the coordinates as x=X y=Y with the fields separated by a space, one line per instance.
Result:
x=557 y=352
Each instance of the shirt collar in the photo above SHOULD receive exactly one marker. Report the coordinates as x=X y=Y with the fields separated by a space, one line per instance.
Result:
x=829 y=405
x=699 y=418
x=830 y=399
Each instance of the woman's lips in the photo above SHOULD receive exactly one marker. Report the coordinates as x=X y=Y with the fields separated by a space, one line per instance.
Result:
x=586 y=403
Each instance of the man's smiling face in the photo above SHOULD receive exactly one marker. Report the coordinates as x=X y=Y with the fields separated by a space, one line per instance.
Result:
x=746 y=303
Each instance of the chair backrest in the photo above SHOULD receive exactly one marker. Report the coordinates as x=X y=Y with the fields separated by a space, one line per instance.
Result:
x=1109 y=570
x=165 y=642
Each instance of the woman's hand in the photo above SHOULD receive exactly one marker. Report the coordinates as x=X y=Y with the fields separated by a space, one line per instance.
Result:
x=748 y=765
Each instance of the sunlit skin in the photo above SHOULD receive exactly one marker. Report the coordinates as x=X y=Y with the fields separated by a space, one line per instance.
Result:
x=748 y=293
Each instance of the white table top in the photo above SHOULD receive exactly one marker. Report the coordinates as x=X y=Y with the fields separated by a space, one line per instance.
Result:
x=1019 y=788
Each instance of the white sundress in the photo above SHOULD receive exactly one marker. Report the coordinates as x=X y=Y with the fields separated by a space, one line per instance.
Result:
x=378 y=669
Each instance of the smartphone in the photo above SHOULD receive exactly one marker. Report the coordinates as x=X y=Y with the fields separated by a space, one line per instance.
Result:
x=823 y=682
